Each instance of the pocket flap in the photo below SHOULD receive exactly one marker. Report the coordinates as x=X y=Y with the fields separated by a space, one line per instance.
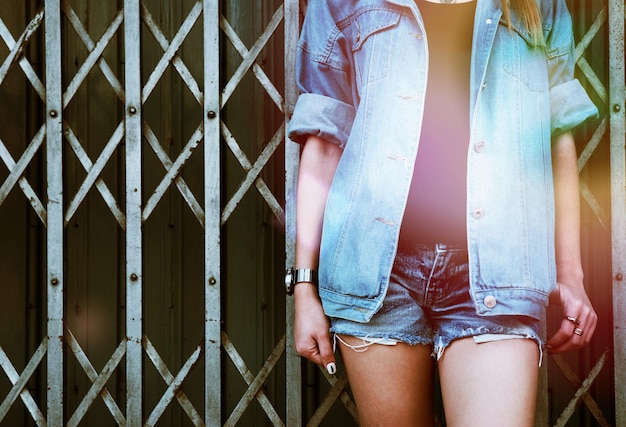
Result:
x=370 y=22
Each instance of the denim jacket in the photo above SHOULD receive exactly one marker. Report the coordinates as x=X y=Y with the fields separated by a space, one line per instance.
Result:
x=362 y=71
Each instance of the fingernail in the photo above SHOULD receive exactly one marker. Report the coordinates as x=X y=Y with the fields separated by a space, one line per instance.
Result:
x=548 y=346
x=331 y=368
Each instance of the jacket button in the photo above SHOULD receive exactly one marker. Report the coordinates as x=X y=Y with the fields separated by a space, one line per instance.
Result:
x=479 y=146
x=490 y=301
x=478 y=213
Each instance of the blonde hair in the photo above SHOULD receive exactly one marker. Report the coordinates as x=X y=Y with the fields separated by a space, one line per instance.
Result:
x=530 y=14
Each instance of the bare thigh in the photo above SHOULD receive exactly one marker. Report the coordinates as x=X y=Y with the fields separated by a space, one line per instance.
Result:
x=392 y=385
x=490 y=384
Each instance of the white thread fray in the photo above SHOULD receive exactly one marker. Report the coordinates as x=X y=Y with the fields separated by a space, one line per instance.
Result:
x=367 y=342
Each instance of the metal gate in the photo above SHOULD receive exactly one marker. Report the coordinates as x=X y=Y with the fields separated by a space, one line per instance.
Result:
x=147 y=186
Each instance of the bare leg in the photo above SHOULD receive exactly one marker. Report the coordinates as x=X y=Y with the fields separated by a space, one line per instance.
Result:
x=490 y=384
x=392 y=385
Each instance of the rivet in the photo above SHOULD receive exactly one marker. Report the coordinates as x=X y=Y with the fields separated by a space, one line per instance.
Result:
x=211 y=114
x=134 y=277
x=619 y=277
x=478 y=213
x=212 y=281
x=617 y=108
x=54 y=282
x=53 y=113
x=132 y=110
x=490 y=301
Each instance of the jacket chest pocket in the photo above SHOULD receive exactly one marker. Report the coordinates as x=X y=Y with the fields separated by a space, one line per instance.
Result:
x=373 y=43
x=521 y=58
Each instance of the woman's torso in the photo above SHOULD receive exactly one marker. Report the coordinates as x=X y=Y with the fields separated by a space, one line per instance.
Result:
x=435 y=210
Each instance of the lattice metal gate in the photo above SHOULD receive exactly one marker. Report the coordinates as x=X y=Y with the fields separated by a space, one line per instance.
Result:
x=101 y=150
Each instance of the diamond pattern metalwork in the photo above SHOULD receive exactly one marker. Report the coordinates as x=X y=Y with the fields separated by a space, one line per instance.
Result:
x=173 y=168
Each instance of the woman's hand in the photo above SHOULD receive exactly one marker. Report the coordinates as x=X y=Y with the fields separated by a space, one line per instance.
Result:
x=312 y=328
x=318 y=163
x=579 y=318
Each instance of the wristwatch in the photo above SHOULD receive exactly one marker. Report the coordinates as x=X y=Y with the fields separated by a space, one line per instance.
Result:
x=293 y=277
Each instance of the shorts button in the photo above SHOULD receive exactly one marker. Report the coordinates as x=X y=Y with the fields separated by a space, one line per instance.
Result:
x=490 y=301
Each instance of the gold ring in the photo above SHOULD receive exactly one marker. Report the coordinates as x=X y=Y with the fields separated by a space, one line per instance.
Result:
x=578 y=332
x=574 y=320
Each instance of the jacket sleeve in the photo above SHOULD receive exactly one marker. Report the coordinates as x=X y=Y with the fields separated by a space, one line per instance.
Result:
x=570 y=105
x=323 y=66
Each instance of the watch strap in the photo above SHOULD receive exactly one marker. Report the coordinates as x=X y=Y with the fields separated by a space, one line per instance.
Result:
x=301 y=275
x=305 y=275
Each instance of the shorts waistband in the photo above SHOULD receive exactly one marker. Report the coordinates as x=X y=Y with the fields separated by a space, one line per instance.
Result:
x=435 y=247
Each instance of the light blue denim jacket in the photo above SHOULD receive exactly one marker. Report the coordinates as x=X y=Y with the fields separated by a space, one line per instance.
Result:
x=362 y=70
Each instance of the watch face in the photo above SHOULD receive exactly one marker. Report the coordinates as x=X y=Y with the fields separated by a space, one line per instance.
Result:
x=289 y=276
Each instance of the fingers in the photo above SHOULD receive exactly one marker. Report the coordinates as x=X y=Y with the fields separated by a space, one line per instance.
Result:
x=312 y=336
x=579 y=320
x=574 y=332
x=327 y=355
x=319 y=350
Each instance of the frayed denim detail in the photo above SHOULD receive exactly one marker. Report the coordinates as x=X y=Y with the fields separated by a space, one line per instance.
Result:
x=377 y=339
x=498 y=334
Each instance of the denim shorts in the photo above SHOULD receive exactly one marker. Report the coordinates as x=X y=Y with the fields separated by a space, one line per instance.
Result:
x=428 y=302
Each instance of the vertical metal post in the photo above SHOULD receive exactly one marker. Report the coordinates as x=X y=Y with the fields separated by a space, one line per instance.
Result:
x=212 y=209
x=134 y=312
x=292 y=155
x=618 y=200
x=54 y=240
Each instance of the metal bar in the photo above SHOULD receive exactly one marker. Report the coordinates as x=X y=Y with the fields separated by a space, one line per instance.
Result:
x=593 y=204
x=581 y=393
x=584 y=157
x=98 y=386
x=18 y=49
x=344 y=396
x=267 y=84
x=254 y=383
x=581 y=61
x=95 y=54
x=169 y=379
x=617 y=128
x=212 y=209
x=173 y=170
x=84 y=160
x=594 y=142
x=54 y=240
x=26 y=67
x=575 y=382
x=174 y=385
x=251 y=57
x=86 y=39
x=94 y=172
x=180 y=66
x=258 y=182
x=17 y=171
x=20 y=383
x=171 y=50
x=30 y=194
x=338 y=385
x=134 y=277
x=593 y=78
x=292 y=155
x=253 y=173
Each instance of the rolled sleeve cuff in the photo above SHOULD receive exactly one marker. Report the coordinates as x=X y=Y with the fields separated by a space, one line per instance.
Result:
x=321 y=116
x=570 y=106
